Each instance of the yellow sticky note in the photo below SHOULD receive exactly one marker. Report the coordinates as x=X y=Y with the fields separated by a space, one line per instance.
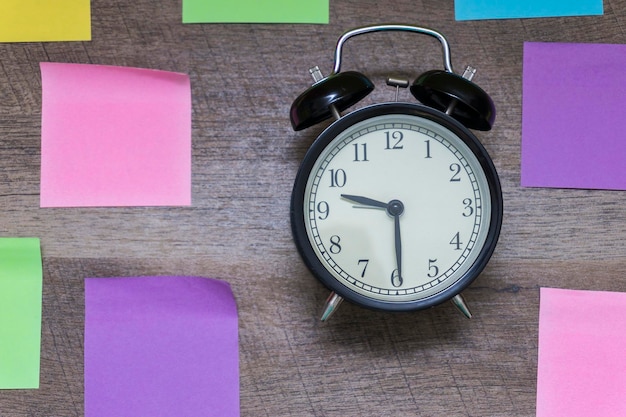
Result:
x=44 y=20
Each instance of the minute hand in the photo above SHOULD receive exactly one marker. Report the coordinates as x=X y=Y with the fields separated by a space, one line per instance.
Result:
x=366 y=201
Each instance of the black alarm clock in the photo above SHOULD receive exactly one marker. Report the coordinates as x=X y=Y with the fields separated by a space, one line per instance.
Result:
x=397 y=206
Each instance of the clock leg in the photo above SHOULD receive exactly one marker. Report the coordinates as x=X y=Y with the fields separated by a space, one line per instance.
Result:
x=332 y=304
x=459 y=302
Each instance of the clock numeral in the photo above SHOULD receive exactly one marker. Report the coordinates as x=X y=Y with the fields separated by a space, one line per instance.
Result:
x=469 y=209
x=363 y=262
x=456 y=241
x=338 y=178
x=360 y=152
x=335 y=247
x=323 y=209
x=428 y=156
x=393 y=140
x=433 y=270
x=396 y=279
x=456 y=172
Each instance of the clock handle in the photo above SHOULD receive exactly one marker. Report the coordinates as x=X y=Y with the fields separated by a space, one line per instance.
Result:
x=332 y=304
x=444 y=90
x=447 y=61
x=459 y=302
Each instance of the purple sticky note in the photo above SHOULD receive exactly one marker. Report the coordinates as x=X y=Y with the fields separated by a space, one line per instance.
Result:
x=160 y=347
x=582 y=354
x=114 y=136
x=573 y=116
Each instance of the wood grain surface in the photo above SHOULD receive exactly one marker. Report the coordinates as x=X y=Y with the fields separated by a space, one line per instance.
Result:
x=245 y=157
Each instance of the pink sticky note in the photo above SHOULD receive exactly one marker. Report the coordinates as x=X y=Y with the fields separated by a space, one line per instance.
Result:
x=582 y=354
x=573 y=116
x=114 y=136
x=160 y=347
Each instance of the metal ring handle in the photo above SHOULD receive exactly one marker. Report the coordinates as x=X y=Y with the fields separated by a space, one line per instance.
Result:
x=398 y=28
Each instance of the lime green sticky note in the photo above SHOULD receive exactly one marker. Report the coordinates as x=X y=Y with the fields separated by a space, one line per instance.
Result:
x=20 y=312
x=45 y=21
x=255 y=11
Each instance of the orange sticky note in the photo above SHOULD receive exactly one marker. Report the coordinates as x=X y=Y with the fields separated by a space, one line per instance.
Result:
x=45 y=21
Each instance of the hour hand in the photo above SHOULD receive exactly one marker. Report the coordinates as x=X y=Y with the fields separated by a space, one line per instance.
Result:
x=366 y=201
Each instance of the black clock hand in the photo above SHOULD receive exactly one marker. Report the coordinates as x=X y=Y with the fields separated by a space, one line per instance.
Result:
x=395 y=208
x=365 y=201
x=398 y=241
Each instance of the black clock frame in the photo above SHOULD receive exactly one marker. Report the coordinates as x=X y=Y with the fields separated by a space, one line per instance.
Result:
x=298 y=227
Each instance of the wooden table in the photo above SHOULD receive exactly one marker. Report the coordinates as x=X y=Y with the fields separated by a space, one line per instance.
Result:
x=245 y=157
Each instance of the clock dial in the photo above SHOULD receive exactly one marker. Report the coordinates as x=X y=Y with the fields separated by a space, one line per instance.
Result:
x=396 y=207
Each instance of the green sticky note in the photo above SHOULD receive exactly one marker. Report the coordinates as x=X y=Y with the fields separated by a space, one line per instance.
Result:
x=254 y=11
x=20 y=312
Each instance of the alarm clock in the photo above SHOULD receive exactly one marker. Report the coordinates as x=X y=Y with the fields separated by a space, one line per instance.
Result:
x=396 y=206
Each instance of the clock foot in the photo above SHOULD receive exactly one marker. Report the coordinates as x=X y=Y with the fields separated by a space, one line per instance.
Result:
x=459 y=302
x=332 y=304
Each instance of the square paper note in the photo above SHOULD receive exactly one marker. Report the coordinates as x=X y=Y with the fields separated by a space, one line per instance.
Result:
x=509 y=9
x=582 y=354
x=114 y=136
x=44 y=21
x=160 y=347
x=20 y=312
x=573 y=116
x=254 y=11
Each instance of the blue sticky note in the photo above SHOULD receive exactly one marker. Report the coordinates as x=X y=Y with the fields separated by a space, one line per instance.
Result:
x=515 y=9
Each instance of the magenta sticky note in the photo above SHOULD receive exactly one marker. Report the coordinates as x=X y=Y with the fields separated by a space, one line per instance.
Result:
x=582 y=354
x=573 y=116
x=164 y=346
x=114 y=136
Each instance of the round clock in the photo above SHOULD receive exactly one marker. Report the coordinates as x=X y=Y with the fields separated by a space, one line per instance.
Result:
x=396 y=206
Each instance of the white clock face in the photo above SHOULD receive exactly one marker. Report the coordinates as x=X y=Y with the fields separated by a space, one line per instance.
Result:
x=397 y=208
